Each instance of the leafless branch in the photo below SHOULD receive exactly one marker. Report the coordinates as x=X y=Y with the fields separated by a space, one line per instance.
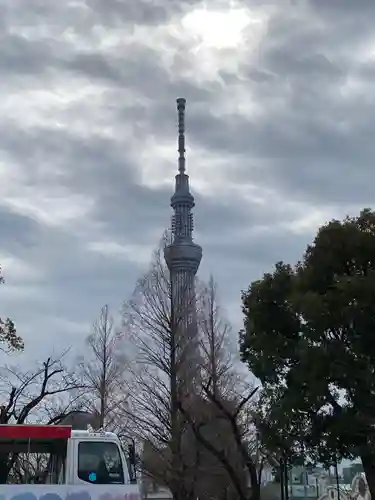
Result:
x=34 y=394
x=229 y=406
x=219 y=454
x=103 y=370
x=24 y=392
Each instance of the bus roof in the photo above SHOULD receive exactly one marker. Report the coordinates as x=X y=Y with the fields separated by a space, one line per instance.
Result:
x=48 y=432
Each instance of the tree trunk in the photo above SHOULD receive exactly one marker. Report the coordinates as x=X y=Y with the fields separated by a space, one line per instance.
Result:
x=255 y=492
x=255 y=486
x=182 y=494
x=368 y=463
x=4 y=468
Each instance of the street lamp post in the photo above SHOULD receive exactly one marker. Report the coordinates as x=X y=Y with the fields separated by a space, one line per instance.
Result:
x=337 y=481
x=286 y=480
x=282 y=478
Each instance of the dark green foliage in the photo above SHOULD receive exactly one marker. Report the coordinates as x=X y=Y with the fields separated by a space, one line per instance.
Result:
x=8 y=334
x=309 y=337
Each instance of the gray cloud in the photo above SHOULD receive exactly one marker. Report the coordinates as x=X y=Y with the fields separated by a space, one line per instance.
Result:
x=279 y=139
x=18 y=232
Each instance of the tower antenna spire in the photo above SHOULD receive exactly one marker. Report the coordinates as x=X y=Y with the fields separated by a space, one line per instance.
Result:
x=181 y=103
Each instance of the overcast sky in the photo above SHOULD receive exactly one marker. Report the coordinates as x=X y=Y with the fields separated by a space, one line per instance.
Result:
x=280 y=138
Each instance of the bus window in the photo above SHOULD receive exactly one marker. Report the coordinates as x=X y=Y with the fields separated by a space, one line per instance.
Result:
x=99 y=462
x=35 y=461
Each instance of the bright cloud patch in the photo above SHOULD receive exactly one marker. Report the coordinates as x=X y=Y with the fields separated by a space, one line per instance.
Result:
x=218 y=29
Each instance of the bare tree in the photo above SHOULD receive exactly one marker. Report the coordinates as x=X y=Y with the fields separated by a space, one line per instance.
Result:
x=219 y=367
x=226 y=429
x=103 y=370
x=239 y=461
x=190 y=438
x=34 y=395
x=156 y=321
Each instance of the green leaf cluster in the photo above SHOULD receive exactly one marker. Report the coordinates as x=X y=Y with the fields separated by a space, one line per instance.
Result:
x=8 y=333
x=309 y=337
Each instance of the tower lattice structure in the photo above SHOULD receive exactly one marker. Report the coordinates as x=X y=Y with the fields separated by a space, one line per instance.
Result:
x=183 y=257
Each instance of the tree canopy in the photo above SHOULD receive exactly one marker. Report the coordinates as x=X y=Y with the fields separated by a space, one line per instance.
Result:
x=9 y=340
x=309 y=337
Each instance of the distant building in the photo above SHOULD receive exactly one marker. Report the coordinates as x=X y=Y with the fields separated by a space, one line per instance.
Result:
x=267 y=475
x=317 y=482
x=322 y=484
x=349 y=473
x=307 y=483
